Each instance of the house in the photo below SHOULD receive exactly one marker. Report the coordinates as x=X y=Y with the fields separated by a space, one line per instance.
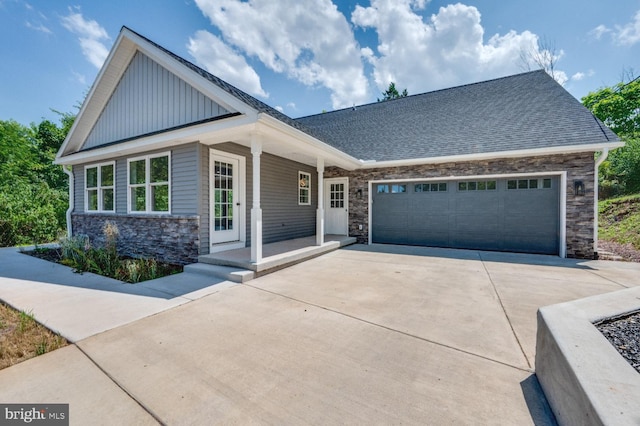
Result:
x=186 y=164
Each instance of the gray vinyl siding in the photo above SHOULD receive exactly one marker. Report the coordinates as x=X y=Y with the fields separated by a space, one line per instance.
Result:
x=149 y=98
x=282 y=217
x=78 y=189
x=184 y=179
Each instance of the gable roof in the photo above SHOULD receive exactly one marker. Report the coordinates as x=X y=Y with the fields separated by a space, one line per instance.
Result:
x=524 y=112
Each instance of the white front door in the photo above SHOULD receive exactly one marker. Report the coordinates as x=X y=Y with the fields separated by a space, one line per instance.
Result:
x=336 y=206
x=225 y=198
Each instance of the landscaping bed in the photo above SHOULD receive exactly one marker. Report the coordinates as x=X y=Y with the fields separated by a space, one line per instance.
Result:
x=122 y=268
x=619 y=227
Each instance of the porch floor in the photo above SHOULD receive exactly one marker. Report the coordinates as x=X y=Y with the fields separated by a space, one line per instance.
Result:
x=277 y=255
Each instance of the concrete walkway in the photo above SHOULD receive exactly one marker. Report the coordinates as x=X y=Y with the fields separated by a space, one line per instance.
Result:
x=80 y=305
x=366 y=334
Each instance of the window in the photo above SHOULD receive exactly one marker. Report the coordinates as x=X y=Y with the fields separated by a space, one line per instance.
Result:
x=149 y=187
x=99 y=187
x=430 y=187
x=304 y=188
x=529 y=184
x=485 y=185
x=398 y=189
x=383 y=189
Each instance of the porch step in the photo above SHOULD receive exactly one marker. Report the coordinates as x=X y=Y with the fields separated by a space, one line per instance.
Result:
x=236 y=275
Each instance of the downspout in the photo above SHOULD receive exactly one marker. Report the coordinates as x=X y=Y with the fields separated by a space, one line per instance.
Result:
x=599 y=161
x=69 y=173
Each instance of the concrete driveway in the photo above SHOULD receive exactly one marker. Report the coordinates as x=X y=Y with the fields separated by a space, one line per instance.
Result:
x=367 y=334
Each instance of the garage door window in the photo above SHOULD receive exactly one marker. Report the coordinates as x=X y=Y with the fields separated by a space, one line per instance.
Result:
x=398 y=189
x=489 y=185
x=431 y=187
x=529 y=183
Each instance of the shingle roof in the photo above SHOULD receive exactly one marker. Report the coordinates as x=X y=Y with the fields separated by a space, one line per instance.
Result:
x=524 y=111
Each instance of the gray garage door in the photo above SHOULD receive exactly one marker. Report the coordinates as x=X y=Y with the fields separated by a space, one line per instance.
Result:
x=520 y=215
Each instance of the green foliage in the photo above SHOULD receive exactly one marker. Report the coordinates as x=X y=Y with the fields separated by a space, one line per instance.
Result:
x=33 y=191
x=78 y=253
x=31 y=213
x=392 y=93
x=620 y=220
x=619 y=108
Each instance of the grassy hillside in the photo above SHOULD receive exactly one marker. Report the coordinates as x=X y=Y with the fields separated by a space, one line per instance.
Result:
x=620 y=220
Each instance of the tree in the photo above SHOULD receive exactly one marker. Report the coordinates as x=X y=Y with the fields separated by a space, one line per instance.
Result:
x=619 y=108
x=33 y=191
x=392 y=93
x=544 y=56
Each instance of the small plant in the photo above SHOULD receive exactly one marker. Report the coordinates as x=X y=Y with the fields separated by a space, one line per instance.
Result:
x=42 y=347
x=26 y=321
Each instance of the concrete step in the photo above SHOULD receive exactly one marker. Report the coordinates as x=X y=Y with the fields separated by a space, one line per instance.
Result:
x=236 y=275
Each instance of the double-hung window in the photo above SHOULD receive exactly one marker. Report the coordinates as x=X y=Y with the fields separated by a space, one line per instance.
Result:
x=304 y=188
x=149 y=185
x=99 y=184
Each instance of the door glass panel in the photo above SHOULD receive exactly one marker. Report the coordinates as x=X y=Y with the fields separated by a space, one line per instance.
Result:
x=223 y=196
x=336 y=194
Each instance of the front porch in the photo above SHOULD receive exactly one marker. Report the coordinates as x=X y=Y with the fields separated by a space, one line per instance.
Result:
x=277 y=255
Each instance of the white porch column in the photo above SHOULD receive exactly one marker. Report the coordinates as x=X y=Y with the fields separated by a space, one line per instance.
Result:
x=320 y=210
x=256 y=211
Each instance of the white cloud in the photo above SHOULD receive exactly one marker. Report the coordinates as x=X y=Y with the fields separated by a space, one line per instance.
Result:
x=90 y=34
x=630 y=33
x=445 y=50
x=38 y=27
x=221 y=60
x=80 y=78
x=309 y=41
x=279 y=108
x=578 y=76
x=599 y=31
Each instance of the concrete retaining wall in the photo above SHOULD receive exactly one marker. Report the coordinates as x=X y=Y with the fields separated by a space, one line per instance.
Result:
x=585 y=379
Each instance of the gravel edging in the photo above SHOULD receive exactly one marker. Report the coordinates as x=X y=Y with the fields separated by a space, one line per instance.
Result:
x=624 y=334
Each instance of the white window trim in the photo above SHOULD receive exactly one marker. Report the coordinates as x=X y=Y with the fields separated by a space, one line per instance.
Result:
x=300 y=188
x=147 y=183
x=99 y=187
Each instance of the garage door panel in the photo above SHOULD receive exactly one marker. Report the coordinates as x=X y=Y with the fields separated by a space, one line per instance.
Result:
x=429 y=221
x=512 y=215
x=435 y=238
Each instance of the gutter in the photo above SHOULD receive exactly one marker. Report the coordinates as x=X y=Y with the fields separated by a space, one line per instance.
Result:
x=599 y=161
x=69 y=173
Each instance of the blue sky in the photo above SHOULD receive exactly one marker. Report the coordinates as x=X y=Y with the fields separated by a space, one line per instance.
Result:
x=306 y=56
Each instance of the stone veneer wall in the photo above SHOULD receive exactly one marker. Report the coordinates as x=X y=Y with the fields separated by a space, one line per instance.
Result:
x=579 y=166
x=172 y=239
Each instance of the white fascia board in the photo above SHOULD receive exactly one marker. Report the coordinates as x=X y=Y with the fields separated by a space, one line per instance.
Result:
x=306 y=142
x=203 y=85
x=232 y=127
x=492 y=155
x=103 y=86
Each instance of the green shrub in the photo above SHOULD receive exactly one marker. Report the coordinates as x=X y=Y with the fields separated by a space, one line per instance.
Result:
x=78 y=253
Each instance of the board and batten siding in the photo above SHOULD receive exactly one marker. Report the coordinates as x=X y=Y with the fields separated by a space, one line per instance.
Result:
x=185 y=165
x=149 y=98
x=282 y=217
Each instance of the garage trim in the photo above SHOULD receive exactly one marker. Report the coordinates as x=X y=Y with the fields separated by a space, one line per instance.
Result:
x=562 y=250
